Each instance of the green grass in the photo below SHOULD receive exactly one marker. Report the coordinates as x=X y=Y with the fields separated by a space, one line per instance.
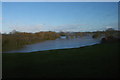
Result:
x=97 y=61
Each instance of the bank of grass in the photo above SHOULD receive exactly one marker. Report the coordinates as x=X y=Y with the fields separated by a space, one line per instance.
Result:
x=97 y=61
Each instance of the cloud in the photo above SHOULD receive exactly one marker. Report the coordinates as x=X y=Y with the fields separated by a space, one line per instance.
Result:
x=27 y=28
x=73 y=27
x=43 y=27
x=65 y=28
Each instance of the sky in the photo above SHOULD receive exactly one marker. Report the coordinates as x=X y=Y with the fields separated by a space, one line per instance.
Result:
x=0 y=16
x=60 y=0
x=59 y=16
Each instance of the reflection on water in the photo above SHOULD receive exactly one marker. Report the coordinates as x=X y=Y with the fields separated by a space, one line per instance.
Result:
x=58 y=44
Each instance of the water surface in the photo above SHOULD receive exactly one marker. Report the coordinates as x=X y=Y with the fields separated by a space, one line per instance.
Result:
x=58 y=44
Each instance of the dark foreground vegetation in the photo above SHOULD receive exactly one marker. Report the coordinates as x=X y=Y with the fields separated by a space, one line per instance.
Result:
x=110 y=39
x=97 y=61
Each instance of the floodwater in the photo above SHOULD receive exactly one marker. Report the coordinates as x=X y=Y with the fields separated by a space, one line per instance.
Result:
x=58 y=44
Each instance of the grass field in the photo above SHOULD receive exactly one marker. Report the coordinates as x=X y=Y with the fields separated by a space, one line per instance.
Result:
x=97 y=61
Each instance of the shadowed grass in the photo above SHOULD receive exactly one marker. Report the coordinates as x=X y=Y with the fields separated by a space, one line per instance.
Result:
x=97 y=61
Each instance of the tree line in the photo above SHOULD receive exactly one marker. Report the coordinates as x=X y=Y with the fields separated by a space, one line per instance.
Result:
x=16 y=40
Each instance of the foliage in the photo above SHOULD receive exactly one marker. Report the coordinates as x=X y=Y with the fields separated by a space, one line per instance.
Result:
x=16 y=40
x=81 y=34
x=110 y=30
x=96 y=35
x=19 y=39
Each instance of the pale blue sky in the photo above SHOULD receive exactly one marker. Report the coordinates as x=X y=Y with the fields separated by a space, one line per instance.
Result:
x=0 y=16
x=60 y=0
x=59 y=16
